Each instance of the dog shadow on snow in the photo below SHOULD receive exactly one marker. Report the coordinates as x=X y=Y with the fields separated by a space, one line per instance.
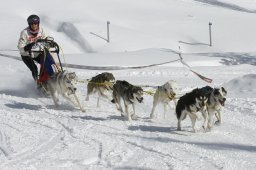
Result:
x=157 y=129
x=88 y=118
x=151 y=128
x=205 y=145
x=19 y=105
x=113 y=117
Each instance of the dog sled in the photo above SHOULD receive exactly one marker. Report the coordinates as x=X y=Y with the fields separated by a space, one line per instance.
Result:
x=52 y=79
x=48 y=66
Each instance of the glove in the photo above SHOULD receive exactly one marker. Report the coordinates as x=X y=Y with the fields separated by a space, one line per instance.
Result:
x=29 y=46
x=40 y=40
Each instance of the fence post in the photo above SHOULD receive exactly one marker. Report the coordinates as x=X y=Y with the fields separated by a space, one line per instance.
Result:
x=108 y=40
x=210 y=33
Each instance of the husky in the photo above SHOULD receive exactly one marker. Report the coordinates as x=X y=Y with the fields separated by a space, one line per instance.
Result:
x=190 y=104
x=130 y=95
x=100 y=84
x=61 y=84
x=216 y=100
x=164 y=94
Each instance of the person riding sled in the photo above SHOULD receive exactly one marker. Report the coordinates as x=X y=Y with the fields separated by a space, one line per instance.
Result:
x=28 y=39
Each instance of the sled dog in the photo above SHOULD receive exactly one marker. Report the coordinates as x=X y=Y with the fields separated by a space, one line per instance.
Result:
x=61 y=84
x=100 y=84
x=216 y=100
x=129 y=93
x=164 y=94
x=190 y=104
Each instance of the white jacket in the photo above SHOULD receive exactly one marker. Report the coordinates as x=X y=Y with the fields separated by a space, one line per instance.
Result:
x=26 y=37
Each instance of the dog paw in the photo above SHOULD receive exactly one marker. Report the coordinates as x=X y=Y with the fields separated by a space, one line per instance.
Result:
x=209 y=126
x=121 y=110
x=206 y=129
x=217 y=123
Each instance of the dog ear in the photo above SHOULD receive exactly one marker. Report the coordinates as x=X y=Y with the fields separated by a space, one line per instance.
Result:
x=224 y=90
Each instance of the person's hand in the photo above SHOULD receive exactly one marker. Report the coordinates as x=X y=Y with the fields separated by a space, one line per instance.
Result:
x=29 y=46
x=40 y=40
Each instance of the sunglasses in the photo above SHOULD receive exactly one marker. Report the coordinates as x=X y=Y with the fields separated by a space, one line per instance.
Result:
x=34 y=23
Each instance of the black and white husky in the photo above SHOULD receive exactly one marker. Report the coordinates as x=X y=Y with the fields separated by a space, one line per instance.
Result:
x=189 y=104
x=61 y=84
x=164 y=94
x=216 y=100
x=100 y=84
x=129 y=93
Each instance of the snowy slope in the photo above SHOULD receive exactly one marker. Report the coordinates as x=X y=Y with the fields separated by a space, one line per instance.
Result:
x=34 y=134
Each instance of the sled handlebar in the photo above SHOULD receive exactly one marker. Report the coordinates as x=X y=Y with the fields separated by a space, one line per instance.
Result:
x=39 y=51
x=48 y=43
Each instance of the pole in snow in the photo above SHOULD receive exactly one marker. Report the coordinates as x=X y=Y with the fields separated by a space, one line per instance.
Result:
x=108 y=40
x=210 y=33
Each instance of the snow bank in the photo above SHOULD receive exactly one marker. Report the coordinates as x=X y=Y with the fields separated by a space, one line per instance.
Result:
x=242 y=86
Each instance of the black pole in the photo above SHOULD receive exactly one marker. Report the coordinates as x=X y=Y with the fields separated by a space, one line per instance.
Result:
x=210 y=33
x=57 y=49
x=108 y=40
x=60 y=62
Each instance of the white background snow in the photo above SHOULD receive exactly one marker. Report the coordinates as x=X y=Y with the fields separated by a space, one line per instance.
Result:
x=36 y=135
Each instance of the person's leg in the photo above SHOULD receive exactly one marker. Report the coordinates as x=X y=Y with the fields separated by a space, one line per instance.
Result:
x=31 y=65
x=38 y=58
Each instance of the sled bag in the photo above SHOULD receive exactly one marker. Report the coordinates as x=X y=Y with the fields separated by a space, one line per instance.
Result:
x=47 y=63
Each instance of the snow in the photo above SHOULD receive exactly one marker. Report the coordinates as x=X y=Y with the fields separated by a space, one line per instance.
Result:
x=34 y=134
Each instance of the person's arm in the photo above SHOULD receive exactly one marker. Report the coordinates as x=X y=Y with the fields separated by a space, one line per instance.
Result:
x=22 y=42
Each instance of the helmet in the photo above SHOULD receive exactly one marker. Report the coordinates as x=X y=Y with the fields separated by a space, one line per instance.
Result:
x=33 y=19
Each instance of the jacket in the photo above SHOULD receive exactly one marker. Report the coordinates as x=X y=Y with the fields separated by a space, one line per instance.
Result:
x=27 y=37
